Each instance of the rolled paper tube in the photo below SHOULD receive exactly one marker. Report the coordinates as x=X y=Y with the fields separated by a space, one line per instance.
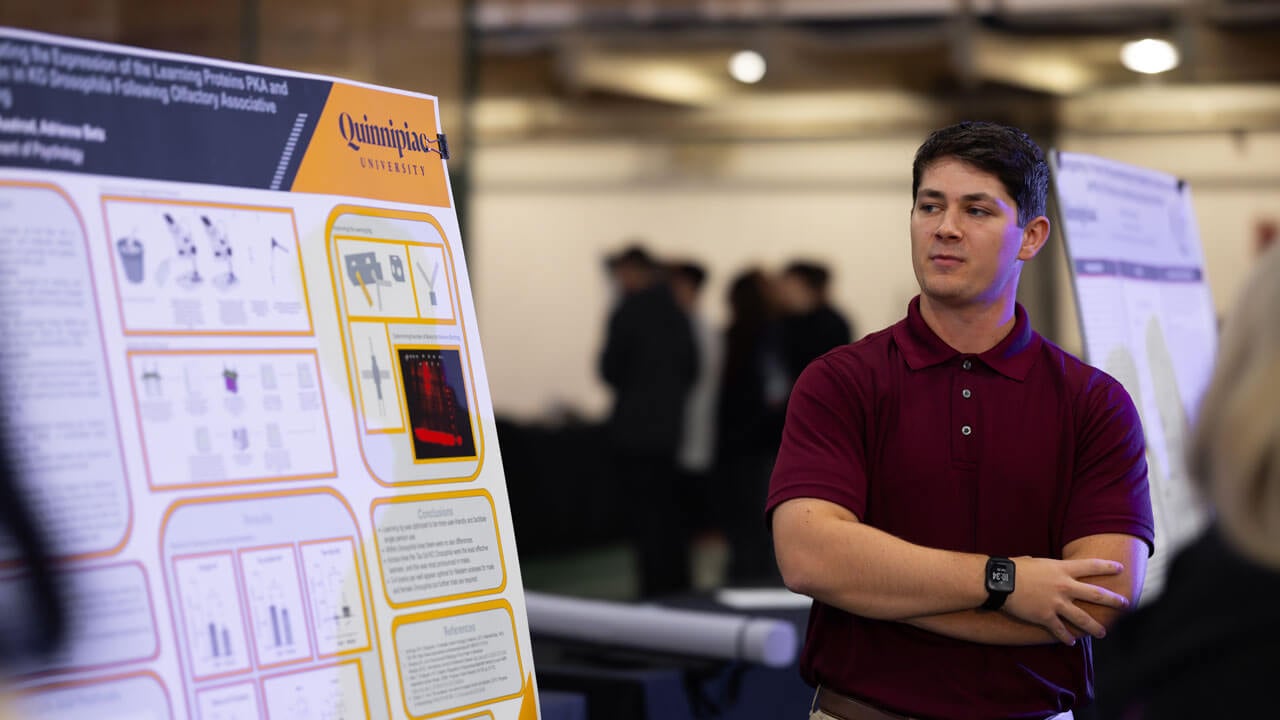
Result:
x=764 y=641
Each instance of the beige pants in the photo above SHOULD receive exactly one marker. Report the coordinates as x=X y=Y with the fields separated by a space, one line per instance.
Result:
x=816 y=714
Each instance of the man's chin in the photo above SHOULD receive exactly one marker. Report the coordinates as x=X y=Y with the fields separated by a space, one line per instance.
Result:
x=945 y=293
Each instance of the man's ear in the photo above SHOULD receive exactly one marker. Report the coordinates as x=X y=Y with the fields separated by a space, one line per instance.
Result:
x=1034 y=235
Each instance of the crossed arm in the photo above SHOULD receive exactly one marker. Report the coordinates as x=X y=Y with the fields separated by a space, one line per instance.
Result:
x=826 y=553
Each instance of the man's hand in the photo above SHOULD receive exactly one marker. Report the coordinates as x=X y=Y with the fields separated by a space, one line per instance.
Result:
x=1046 y=592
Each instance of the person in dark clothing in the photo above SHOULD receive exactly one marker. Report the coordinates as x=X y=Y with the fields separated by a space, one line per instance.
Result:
x=37 y=626
x=697 y=446
x=749 y=416
x=810 y=326
x=1205 y=648
x=650 y=360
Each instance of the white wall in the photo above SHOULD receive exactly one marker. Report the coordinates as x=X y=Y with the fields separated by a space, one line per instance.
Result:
x=545 y=214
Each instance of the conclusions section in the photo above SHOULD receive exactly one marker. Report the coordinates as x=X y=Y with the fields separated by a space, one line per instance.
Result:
x=438 y=547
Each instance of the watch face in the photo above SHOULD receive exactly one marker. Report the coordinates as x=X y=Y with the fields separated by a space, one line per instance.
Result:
x=1000 y=576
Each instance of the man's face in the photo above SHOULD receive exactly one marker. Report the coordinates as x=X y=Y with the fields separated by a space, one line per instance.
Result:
x=794 y=295
x=965 y=240
x=628 y=277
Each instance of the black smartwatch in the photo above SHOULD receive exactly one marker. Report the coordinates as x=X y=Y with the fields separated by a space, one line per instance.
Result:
x=999 y=579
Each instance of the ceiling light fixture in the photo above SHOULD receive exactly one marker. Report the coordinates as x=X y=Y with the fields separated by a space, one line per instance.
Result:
x=747 y=66
x=1149 y=56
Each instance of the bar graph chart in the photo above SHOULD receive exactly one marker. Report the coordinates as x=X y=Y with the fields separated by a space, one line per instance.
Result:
x=276 y=609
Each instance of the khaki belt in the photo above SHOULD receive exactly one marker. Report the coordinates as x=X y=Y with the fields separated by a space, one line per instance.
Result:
x=846 y=708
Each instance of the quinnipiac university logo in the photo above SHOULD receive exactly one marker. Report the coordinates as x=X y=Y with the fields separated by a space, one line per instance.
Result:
x=410 y=146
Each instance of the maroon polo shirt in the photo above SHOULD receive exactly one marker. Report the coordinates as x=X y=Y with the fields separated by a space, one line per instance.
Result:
x=1016 y=451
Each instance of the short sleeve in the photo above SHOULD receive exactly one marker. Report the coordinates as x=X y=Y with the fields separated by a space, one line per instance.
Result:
x=823 y=450
x=1110 y=491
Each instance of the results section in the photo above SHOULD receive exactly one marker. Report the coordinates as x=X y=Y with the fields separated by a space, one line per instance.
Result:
x=269 y=601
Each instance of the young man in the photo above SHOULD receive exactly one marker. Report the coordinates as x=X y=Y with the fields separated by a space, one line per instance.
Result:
x=966 y=503
x=650 y=360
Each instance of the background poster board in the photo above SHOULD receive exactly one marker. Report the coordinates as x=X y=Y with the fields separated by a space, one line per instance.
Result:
x=243 y=381
x=1146 y=316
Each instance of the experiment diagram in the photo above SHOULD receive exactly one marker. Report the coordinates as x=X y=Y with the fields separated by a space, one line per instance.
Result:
x=184 y=267
x=410 y=373
x=229 y=417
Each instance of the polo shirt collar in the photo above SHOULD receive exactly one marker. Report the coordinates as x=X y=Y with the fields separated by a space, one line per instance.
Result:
x=1012 y=357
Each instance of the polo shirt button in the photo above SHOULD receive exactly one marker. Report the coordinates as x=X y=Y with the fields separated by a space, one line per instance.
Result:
x=966 y=393
x=966 y=431
x=967 y=365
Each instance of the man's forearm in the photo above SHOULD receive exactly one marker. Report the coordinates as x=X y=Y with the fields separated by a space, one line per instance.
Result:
x=988 y=628
x=868 y=572
x=826 y=553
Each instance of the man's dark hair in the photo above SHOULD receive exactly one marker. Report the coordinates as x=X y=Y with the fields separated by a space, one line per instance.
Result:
x=1006 y=152
x=688 y=270
x=814 y=275
x=633 y=255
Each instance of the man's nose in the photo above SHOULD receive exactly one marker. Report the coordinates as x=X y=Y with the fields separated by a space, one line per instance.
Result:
x=948 y=225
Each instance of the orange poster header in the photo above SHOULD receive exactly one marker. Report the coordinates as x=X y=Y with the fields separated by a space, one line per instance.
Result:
x=375 y=144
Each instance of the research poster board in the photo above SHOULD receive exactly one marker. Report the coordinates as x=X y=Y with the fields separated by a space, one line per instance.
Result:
x=245 y=389
x=1146 y=316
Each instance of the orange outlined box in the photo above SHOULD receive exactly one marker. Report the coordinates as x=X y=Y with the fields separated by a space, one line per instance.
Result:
x=209 y=608
x=291 y=695
x=274 y=517
x=385 y=468
x=334 y=604
x=408 y=622
x=284 y=635
x=212 y=380
x=243 y=693
x=378 y=511
x=418 y=268
x=411 y=265
x=127 y=531
x=376 y=374
x=31 y=697
x=200 y=272
x=85 y=636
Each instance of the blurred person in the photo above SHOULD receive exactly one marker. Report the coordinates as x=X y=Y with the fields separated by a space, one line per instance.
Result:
x=810 y=325
x=966 y=503
x=33 y=603
x=695 y=456
x=1206 y=647
x=749 y=413
x=650 y=360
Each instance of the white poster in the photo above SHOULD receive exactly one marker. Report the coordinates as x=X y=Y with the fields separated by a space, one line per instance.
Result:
x=1146 y=316
x=247 y=396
